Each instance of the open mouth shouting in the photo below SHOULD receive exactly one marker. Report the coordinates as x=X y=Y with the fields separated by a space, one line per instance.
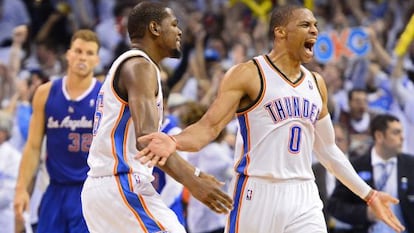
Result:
x=309 y=47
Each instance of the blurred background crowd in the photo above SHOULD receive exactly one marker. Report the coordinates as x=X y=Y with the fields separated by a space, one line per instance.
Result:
x=356 y=54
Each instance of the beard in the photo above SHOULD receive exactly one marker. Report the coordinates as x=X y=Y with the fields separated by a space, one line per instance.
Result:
x=175 y=53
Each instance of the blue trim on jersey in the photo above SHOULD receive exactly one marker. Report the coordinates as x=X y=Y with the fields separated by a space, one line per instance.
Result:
x=243 y=131
x=119 y=139
x=135 y=203
x=234 y=214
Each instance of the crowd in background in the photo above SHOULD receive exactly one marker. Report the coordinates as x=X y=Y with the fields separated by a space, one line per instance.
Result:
x=34 y=35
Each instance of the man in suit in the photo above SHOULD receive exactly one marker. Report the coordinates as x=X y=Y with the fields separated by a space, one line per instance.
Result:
x=386 y=169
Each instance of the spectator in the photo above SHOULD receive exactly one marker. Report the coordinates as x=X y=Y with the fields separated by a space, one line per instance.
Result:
x=384 y=168
x=357 y=120
x=214 y=159
x=9 y=167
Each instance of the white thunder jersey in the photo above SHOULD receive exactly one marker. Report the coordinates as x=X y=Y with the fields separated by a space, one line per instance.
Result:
x=276 y=135
x=113 y=147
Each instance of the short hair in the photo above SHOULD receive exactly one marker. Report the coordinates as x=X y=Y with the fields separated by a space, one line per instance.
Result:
x=354 y=90
x=142 y=14
x=86 y=35
x=281 y=16
x=380 y=123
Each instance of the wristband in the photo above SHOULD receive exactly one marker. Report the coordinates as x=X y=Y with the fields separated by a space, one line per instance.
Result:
x=371 y=196
x=173 y=138
x=197 y=172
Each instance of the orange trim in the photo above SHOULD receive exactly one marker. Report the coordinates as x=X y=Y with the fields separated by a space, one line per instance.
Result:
x=272 y=66
x=261 y=94
x=240 y=203
x=129 y=206
x=149 y=212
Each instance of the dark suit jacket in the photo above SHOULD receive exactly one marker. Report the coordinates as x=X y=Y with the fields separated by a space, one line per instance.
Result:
x=348 y=207
x=320 y=180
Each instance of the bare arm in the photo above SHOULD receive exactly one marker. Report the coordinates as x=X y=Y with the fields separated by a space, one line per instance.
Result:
x=138 y=84
x=240 y=85
x=142 y=90
x=234 y=86
x=31 y=151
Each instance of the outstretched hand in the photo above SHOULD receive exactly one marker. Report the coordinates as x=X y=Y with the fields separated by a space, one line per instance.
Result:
x=208 y=191
x=159 y=147
x=380 y=205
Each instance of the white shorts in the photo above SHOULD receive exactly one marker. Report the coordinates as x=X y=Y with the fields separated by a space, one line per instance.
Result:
x=115 y=204
x=277 y=207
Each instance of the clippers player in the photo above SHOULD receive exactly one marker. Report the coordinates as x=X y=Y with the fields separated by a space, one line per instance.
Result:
x=63 y=112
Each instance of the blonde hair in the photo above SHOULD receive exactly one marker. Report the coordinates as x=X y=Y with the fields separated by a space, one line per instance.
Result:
x=86 y=35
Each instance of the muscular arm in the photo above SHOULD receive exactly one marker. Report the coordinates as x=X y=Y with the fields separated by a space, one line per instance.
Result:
x=140 y=83
x=31 y=151
x=236 y=84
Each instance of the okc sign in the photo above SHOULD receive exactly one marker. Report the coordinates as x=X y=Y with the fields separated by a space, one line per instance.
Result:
x=350 y=42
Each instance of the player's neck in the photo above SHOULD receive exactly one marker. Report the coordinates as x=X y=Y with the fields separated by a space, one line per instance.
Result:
x=76 y=86
x=149 y=50
x=289 y=69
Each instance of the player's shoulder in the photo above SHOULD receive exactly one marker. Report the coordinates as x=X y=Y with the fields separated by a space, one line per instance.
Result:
x=41 y=94
x=138 y=64
x=44 y=89
x=243 y=69
x=319 y=80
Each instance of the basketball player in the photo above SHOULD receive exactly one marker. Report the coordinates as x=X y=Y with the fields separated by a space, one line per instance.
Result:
x=63 y=111
x=118 y=195
x=282 y=112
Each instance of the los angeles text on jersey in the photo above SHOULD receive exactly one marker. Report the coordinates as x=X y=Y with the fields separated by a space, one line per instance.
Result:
x=67 y=122
x=292 y=107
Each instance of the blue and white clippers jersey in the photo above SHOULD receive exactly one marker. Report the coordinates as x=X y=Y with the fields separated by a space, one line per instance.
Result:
x=276 y=135
x=68 y=129
x=114 y=144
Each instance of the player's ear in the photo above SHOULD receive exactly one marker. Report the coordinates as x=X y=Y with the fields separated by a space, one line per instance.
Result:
x=154 y=28
x=279 y=32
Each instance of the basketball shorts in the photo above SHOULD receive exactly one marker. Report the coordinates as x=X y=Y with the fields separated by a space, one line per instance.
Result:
x=125 y=203
x=60 y=210
x=278 y=207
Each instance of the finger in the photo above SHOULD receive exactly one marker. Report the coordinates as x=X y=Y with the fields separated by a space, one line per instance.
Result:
x=214 y=179
x=225 y=200
x=154 y=161
x=162 y=161
x=220 y=183
x=146 y=158
x=390 y=219
x=388 y=198
x=145 y=139
x=142 y=153
x=395 y=223
x=226 y=203
x=218 y=207
x=19 y=211
x=394 y=200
